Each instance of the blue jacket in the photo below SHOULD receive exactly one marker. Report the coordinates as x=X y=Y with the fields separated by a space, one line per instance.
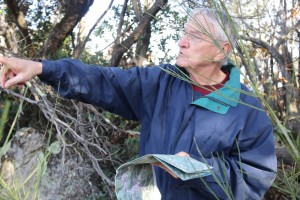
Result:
x=220 y=129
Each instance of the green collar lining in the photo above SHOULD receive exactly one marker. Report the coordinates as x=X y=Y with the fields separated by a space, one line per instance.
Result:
x=219 y=101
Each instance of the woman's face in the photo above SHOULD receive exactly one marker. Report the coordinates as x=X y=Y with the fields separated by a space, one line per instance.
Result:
x=197 y=47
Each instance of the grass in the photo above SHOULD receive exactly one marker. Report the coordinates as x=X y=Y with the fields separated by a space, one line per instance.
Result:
x=12 y=185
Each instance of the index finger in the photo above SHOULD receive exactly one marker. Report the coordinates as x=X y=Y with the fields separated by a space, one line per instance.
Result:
x=4 y=70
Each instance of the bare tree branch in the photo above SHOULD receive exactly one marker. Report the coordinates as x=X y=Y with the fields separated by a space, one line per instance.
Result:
x=79 y=49
x=122 y=47
x=271 y=49
x=137 y=9
x=19 y=11
x=74 y=11
x=121 y=22
x=282 y=38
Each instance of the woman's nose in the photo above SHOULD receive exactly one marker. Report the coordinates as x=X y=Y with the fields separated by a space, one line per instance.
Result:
x=183 y=42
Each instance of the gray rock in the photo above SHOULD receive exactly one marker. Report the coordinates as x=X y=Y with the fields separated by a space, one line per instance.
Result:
x=32 y=172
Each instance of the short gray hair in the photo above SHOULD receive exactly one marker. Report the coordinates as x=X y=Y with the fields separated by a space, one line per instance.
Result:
x=222 y=24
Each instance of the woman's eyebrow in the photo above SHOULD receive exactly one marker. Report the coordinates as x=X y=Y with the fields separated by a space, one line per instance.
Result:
x=196 y=32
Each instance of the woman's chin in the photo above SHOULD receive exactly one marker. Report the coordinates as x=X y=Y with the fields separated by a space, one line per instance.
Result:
x=180 y=62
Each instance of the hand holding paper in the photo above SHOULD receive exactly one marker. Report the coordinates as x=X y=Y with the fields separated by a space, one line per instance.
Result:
x=135 y=180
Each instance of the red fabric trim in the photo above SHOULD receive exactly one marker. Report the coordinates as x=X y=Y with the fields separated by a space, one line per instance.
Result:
x=206 y=89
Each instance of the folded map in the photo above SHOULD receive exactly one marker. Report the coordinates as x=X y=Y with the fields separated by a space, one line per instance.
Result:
x=136 y=179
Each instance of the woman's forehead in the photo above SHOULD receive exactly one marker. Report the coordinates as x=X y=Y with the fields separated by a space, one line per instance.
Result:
x=197 y=27
x=198 y=23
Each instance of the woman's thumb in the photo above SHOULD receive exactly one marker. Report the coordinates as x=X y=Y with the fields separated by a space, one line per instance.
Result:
x=13 y=81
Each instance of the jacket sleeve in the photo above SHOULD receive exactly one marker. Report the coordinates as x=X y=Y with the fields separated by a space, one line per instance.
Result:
x=249 y=169
x=114 y=89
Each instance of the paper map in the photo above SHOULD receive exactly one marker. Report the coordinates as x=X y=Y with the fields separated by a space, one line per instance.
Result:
x=135 y=180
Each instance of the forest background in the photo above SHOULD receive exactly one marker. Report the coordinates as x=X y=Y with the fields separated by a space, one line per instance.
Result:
x=75 y=146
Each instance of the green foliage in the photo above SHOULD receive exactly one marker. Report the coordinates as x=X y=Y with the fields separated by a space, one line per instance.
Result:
x=65 y=51
x=290 y=141
x=100 y=31
x=131 y=145
x=8 y=110
x=98 y=58
x=16 y=190
x=17 y=187
x=287 y=182
x=40 y=22
x=4 y=117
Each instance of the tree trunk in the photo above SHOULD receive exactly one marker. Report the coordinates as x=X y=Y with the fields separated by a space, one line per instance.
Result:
x=82 y=43
x=120 y=48
x=74 y=10
x=18 y=13
x=142 y=46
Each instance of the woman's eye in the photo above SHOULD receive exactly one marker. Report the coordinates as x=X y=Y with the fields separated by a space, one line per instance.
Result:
x=191 y=35
x=194 y=36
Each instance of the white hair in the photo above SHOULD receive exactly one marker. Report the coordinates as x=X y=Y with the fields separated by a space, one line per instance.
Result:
x=223 y=26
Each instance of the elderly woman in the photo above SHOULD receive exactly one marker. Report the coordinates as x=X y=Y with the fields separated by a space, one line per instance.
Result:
x=207 y=117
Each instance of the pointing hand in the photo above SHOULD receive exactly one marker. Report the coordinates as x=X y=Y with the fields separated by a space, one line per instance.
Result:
x=16 y=71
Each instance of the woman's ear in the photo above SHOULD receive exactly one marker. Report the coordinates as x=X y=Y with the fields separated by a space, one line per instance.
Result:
x=224 y=50
x=226 y=47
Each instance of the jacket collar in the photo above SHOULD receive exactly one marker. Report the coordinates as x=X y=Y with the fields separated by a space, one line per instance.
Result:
x=228 y=96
